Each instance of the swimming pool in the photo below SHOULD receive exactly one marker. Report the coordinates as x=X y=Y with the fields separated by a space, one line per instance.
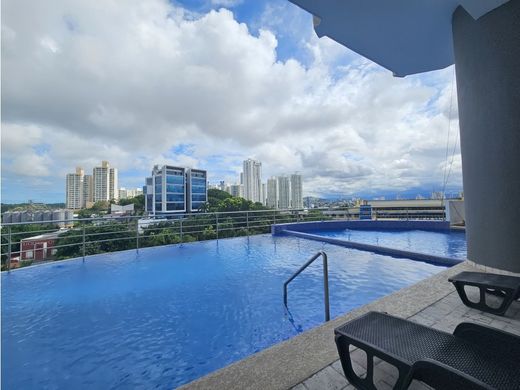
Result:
x=439 y=243
x=168 y=315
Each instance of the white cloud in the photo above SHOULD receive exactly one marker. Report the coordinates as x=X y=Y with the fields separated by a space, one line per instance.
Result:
x=226 y=3
x=131 y=80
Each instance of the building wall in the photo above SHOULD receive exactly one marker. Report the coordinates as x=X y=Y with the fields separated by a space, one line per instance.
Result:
x=284 y=192
x=113 y=184
x=487 y=58
x=101 y=181
x=272 y=193
x=37 y=250
x=236 y=190
x=296 y=191
x=196 y=189
x=252 y=177
x=74 y=189
x=88 y=191
x=168 y=190
x=105 y=183
x=148 y=190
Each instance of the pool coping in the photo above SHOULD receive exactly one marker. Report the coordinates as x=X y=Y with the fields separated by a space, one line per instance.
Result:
x=382 y=250
x=430 y=225
x=288 y=363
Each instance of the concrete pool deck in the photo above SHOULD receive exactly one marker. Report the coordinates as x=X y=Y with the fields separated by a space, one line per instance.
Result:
x=309 y=361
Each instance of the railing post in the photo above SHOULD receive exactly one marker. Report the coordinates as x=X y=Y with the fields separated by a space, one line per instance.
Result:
x=83 y=243
x=181 y=230
x=9 y=248
x=137 y=236
x=247 y=222
x=216 y=221
x=407 y=217
x=326 y=285
x=274 y=217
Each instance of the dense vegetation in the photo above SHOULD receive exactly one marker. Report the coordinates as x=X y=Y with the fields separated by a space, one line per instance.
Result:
x=137 y=201
x=30 y=206
x=103 y=207
x=222 y=201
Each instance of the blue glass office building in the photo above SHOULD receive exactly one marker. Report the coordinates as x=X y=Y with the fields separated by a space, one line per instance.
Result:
x=197 y=189
x=173 y=190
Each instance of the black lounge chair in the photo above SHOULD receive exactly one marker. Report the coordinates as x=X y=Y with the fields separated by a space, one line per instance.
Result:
x=505 y=286
x=473 y=357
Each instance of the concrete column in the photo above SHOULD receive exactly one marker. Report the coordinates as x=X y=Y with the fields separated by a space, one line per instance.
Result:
x=487 y=60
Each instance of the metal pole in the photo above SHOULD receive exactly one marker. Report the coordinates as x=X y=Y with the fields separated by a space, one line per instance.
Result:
x=137 y=236
x=274 y=217
x=216 y=219
x=9 y=248
x=181 y=230
x=247 y=222
x=325 y=281
x=326 y=286
x=83 y=243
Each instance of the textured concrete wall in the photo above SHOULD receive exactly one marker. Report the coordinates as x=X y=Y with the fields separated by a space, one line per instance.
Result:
x=455 y=212
x=487 y=58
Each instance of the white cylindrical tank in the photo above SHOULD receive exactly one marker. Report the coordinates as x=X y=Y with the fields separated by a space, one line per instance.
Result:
x=7 y=217
x=69 y=216
x=47 y=216
x=59 y=216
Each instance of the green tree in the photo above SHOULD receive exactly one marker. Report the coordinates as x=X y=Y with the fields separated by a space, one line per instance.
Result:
x=218 y=194
x=98 y=239
x=137 y=201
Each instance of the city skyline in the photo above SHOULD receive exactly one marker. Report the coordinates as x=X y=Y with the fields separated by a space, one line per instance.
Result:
x=308 y=105
x=278 y=192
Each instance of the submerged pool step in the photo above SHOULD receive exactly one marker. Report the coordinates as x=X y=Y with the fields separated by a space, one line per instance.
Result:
x=382 y=250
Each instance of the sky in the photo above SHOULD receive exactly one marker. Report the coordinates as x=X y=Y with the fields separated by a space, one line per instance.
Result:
x=207 y=84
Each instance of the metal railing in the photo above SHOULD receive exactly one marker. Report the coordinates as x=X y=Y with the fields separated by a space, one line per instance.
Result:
x=325 y=281
x=89 y=236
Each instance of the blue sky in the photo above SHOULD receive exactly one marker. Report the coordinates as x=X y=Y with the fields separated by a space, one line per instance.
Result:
x=209 y=83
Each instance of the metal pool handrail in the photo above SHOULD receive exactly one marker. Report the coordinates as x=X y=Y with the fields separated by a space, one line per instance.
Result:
x=325 y=281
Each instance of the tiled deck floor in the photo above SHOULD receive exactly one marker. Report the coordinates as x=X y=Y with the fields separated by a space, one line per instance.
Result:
x=444 y=314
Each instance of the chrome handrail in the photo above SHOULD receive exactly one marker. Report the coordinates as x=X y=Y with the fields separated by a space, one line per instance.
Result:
x=325 y=281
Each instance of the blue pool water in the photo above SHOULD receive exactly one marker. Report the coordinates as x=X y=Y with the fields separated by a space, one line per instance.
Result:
x=447 y=244
x=171 y=314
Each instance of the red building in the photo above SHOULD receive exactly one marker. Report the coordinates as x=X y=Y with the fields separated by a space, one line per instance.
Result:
x=39 y=248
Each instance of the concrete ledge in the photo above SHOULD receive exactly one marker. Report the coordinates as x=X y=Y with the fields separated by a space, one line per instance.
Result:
x=382 y=250
x=361 y=225
x=289 y=363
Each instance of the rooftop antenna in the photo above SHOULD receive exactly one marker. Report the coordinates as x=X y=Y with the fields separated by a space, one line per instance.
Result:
x=448 y=167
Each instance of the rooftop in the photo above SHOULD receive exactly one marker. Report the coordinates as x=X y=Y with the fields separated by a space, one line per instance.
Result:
x=310 y=360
